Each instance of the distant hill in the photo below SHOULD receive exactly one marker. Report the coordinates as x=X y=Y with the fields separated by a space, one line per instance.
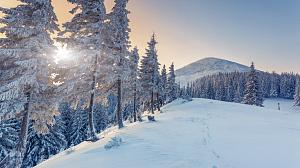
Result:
x=207 y=66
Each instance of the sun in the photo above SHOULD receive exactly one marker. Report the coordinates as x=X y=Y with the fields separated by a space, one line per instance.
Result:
x=62 y=54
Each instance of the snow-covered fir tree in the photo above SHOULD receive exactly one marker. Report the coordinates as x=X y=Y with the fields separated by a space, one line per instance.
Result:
x=101 y=118
x=253 y=95
x=25 y=89
x=118 y=44
x=150 y=74
x=133 y=82
x=164 y=80
x=171 y=84
x=79 y=126
x=9 y=130
x=274 y=90
x=297 y=93
x=42 y=146
x=67 y=113
x=85 y=37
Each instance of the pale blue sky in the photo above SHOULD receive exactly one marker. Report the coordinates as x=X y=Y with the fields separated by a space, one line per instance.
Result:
x=264 y=31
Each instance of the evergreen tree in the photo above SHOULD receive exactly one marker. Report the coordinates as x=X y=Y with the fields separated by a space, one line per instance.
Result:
x=79 y=126
x=67 y=114
x=24 y=63
x=85 y=38
x=101 y=118
x=253 y=95
x=8 y=136
x=297 y=93
x=164 y=80
x=42 y=146
x=118 y=42
x=150 y=73
x=171 y=85
x=274 y=91
x=133 y=82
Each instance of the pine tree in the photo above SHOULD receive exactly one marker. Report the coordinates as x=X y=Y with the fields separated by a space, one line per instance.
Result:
x=150 y=73
x=25 y=89
x=118 y=42
x=171 y=85
x=133 y=83
x=9 y=130
x=42 y=146
x=79 y=126
x=101 y=118
x=67 y=116
x=164 y=80
x=86 y=35
x=253 y=95
x=297 y=93
x=274 y=91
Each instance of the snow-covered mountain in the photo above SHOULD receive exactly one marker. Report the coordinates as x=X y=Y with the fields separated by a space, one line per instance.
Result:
x=207 y=66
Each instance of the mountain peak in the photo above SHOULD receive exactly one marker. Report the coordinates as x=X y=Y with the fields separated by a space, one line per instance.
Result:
x=207 y=66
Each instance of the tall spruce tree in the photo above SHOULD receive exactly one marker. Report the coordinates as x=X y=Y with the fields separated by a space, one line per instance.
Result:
x=42 y=146
x=171 y=85
x=164 y=80
x=134 y=85
x=25 y=89
x=253 y=95
x=150 y=74
x=297 y=93
x=85 y=38
x=9 y=130
x=118 y=43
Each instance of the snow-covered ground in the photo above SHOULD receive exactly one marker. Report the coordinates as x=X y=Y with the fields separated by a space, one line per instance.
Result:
x=198 y=134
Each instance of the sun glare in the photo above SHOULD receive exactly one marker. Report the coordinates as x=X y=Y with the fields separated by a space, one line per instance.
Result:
x=62 y=54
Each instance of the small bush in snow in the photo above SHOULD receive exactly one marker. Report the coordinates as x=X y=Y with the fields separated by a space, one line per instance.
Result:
x=115 y=142
x=151 y=118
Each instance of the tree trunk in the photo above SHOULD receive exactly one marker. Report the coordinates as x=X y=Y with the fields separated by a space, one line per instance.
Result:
x=152 y=102
x=134 y=107
x=158 y=101
x=119 y=106
x=15 y=159
x=92 y=134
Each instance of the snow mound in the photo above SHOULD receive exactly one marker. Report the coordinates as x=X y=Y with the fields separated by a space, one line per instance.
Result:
x=115 y=142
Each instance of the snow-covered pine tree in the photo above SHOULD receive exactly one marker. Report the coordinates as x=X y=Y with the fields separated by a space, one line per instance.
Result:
x=171 y=85
x=42 y=146
x=25 y=89
x=118 y=43
x=164 y=80
x=253 y=95
x=9 y=130
x=85 y=37
x=67 y=114
x=297 y=93
x=150 y=74
x=237 y=94
x=274 y=91
x=79 y=127
x=133 y=82
x=101 y=118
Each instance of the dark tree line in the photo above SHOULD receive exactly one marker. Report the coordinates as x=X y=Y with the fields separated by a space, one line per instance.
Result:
x=232 y=87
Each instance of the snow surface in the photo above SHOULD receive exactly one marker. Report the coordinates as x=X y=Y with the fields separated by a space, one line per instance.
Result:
x=207 y=66
x=198 y=134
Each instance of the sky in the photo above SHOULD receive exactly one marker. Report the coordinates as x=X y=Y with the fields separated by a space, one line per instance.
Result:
x=264 y=31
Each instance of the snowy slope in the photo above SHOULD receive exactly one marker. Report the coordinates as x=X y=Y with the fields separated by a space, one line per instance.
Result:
x=199 y=134
x=207 y=66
